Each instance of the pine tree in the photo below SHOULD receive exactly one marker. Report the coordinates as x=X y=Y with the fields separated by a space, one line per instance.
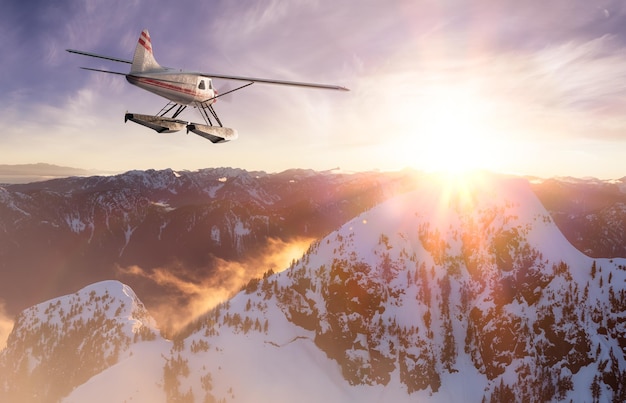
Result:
x=595 y=389
x=593 y=270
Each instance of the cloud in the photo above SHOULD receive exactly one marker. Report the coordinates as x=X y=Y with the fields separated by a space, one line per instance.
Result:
x=6 y=325
x=194 y=293
x=552 y=69
x=573 y=89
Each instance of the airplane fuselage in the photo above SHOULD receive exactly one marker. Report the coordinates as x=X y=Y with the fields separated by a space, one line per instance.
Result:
x=182 y=88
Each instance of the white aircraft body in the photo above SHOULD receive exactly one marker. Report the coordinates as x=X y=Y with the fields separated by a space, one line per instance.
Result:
x=182 y=89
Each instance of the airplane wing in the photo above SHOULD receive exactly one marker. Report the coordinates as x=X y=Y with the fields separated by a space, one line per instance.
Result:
x=279 y=82
x=114 y=59
x=220 y=76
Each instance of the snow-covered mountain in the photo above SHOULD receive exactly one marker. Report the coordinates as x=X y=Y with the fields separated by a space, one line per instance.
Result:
x=590 y=212
x=194 y=226
x=62 y=343
x=134 y=226
x=447 y=293
x=75 y=231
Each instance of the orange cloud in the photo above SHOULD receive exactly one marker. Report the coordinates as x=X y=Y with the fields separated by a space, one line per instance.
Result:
x=6 y=326
x=197 y=294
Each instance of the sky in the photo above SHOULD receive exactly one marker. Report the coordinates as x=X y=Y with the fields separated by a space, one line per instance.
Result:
x=530 y=88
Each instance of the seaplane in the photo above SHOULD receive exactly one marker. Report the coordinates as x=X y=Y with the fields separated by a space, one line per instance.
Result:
x=183 y=89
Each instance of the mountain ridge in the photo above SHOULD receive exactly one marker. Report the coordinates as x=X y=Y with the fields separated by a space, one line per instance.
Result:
x=80 y=335
x=185 y=222
x=166 y=231
x=429 y=351
x=438 y=294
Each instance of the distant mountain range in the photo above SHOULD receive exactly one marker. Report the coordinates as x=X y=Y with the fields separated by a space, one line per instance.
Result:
x=425 y=293
x=213 y=227
x=591 y=213
x=163 y=231
x=26 y=173
x=133 y=227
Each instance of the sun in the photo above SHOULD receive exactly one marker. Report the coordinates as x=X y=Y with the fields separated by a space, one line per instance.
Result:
x=450 y=130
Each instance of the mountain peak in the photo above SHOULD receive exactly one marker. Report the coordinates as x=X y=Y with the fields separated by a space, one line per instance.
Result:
x=455 y=290
x=443 y=294
x=61 y=343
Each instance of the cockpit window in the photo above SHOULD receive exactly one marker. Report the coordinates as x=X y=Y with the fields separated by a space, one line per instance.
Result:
x=201 y=85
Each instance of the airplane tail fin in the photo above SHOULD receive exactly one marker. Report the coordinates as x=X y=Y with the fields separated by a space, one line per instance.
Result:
x=143 y=60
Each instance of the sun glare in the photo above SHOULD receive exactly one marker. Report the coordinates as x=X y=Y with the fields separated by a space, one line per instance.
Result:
x=449 y=130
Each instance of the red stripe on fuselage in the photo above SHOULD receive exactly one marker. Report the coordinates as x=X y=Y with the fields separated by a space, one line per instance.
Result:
x=162 y=84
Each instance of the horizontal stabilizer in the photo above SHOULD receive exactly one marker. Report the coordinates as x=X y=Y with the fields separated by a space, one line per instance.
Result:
x=159 y=124
x=214 y=134
x=113 y=59
x=104 y=71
